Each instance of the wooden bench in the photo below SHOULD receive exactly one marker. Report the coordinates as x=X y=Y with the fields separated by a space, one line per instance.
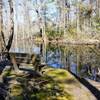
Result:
x=18 y=59
x=22 y=57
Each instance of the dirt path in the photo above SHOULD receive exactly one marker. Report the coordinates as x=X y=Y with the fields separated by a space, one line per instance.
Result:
x=71 y=85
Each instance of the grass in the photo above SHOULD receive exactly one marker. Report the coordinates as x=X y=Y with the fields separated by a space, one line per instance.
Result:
x=54 y=84
x=16 y=90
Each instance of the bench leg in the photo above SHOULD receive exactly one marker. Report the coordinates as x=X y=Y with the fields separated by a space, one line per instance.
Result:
x=13 y=60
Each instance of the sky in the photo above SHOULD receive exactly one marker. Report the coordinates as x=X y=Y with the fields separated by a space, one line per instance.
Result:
x=19 y=11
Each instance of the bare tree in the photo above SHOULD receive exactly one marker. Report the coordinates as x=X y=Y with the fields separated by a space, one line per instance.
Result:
x=12 y=57
x=3 y=44
x=98 y=8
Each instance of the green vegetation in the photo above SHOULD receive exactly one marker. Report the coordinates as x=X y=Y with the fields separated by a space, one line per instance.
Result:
x=54 y=84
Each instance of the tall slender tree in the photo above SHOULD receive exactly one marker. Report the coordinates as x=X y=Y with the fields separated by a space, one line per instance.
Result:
x=98 y=8
x=12 y=57
x=2 y=37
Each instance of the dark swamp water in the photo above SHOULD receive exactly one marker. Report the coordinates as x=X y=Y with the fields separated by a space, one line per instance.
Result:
x=82 y=60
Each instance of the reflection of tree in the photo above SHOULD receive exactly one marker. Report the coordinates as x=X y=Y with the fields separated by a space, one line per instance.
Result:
x=43 y=52
x=78 y=55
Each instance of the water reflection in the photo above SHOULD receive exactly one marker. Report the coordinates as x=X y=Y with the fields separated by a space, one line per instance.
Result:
x=83 y=61
x=27 y=48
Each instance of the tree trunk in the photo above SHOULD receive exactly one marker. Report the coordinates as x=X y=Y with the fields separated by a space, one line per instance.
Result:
x=2 y=38
x=98 y=8
x=77 y=16
x=64 y=15
x=13 y=59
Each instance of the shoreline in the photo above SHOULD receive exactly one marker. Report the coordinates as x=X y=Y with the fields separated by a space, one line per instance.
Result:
x=73 y=42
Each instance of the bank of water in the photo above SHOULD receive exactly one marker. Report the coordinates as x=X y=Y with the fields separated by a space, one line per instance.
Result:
x=55 y=81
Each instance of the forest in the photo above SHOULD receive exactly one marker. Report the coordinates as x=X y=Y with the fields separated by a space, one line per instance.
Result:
x=49 y=49
x=67 y=20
